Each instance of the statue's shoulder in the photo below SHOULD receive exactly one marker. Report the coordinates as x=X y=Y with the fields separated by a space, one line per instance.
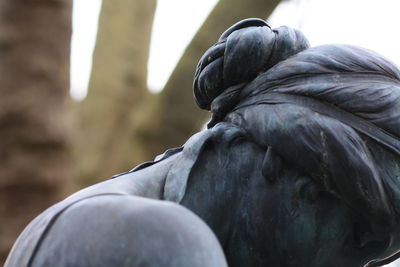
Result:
x=113 y=229
x=29 y=240
x=146 y=180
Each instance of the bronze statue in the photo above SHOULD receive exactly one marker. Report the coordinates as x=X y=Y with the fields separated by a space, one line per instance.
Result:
x=299 y=166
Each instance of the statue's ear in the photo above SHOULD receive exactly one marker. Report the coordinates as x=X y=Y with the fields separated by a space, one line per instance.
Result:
x=178 y=175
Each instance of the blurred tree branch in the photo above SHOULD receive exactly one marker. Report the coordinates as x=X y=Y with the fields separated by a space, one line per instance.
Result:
x=117 y=89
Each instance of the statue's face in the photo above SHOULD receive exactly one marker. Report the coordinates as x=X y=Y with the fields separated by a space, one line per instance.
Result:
x=294 y=223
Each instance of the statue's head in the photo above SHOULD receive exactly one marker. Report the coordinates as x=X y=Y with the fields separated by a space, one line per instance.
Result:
x=328 y=119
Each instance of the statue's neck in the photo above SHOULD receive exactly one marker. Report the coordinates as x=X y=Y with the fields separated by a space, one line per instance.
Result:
x=215 y=202
x=219 y=196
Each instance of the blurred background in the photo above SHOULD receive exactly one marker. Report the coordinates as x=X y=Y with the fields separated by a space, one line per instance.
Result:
x=91 y=88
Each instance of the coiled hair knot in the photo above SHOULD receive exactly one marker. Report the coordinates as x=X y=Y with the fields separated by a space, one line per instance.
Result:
x=246 y=49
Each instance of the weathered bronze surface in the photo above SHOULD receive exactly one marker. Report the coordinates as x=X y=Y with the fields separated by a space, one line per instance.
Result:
x=299 y=166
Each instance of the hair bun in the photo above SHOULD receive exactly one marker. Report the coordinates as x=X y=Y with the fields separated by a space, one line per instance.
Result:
x=246 y=49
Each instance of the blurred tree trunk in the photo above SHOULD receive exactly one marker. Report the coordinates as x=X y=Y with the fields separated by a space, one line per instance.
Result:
x=124 y=124
x=34 y=67
x=175 y=116
x=117 y=89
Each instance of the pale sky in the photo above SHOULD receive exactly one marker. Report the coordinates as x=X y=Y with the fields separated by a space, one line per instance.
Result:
x=368 y=23
x=84 y=25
